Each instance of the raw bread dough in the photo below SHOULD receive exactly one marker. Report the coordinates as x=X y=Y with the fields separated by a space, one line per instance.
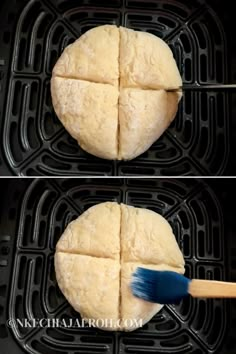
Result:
x=86 y=235
x=92 y=57
x=90 y=284
x=97 y=254
x=90 y=117
x=85 y=89
x=146 y=61
x=133 y=307
x=142 y=227
x=143 y=116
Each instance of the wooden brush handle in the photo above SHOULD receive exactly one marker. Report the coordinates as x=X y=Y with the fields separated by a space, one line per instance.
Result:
x=211 y=289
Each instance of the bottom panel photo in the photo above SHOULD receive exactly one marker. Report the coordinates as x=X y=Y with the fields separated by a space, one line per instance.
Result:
x=106 y=265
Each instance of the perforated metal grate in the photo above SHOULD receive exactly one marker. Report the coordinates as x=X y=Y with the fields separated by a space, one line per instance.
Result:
x=44 y=209
x=33 y=140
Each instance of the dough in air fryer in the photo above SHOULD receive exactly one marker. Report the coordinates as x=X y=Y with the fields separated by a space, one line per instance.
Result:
x=97 y=254
x=109 y=90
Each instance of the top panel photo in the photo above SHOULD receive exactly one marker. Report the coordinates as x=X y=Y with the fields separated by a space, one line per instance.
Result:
x=117 y=88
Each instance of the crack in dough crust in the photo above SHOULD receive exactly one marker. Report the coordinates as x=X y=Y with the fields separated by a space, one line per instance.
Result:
x=109 y=91
x=98 y=252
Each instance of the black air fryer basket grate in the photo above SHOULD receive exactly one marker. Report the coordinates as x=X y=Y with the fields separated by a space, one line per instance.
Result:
x=33 y=35
x=35 y=212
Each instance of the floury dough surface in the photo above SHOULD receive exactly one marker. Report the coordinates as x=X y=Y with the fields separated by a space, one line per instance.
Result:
x=109 y=89
x=89 y=112
x=97 y=254
x=93 y=57
x=143 y=117
x=146 y=62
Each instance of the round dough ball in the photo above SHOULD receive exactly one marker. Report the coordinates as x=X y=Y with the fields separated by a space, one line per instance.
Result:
x=97 y=254
x=109 y=91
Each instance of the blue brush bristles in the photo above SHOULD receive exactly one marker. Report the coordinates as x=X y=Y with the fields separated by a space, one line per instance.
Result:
x=162 y=287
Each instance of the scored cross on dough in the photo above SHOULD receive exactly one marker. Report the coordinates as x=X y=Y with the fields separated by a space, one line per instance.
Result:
x=88 y=78
x=98 y=252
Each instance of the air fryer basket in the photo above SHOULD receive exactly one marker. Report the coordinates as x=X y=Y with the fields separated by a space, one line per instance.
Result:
x=33 y=35
x=33 y=216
